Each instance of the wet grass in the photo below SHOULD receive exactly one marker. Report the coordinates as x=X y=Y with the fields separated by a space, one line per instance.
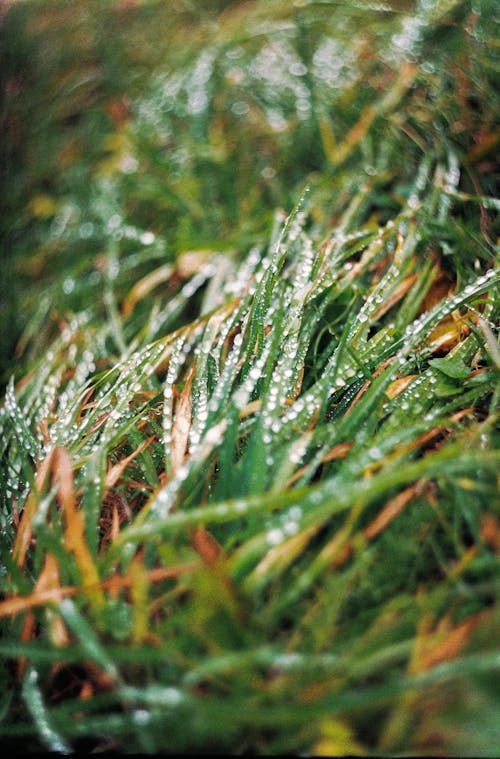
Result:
x=250 y=433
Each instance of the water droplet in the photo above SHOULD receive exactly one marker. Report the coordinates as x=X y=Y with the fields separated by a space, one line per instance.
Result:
x=291 y=528
x=375 y=453
x=68 y=285
x=147 y=238
x=255 y=373
x=141 y=717
x=275 y=536
x=240 y=506
x=286 y=661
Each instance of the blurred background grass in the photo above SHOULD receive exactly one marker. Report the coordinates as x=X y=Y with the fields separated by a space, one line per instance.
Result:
x=187 y=124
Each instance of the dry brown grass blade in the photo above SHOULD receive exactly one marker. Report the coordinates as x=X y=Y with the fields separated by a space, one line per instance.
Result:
x=75 y=538
x=490 y=531
x=338 y=451
x=48 y=580
x=114 y=473
x=341 y=547
x=451 y=329
x=399 y=292
x=436 y=433
x=10 y=607
x=397 y=387
x=338 y=550
x=206 y=546
x=24 y=532
x=181 y=424
x=214 y=558
x=362 y=390
x=281 y=556
x=447 y=334
x=392 y=509
x=144 y=286
x=486 y=145
x=19 y=604
x=190 y=262
x=115 y=523
x=27 y=633
x=450 y=641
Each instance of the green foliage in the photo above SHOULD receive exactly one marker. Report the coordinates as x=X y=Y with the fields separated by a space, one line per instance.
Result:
x=249 y=479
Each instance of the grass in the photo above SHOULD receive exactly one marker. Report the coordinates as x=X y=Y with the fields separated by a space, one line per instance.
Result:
x=250 y=433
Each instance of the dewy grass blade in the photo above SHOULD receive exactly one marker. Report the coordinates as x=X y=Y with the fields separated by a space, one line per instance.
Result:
x=20 y=427
x=34 y=700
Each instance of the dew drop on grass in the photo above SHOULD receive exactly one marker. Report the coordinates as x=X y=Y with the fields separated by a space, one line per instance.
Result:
x=287 y=661
x=141 y=717
x=147 y=238
x=182 y=473
x=375 y=453
x=240 y=506
x=171 y=696
x=68 y=285
x=275 y=536
x=291 y=528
